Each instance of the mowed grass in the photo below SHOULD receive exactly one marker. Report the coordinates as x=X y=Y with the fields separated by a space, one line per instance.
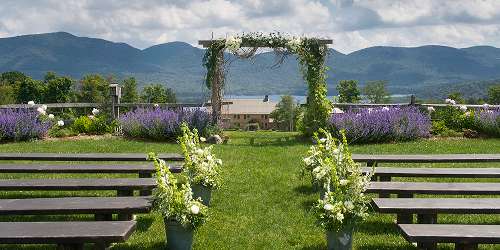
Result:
x=264 y=203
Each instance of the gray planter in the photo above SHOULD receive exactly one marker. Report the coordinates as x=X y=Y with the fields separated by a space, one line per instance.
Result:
x=341 y=240
x=203 y=192
x=178 y=237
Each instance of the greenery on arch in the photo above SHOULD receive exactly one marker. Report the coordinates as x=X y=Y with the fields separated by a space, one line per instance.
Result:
x=311 y=52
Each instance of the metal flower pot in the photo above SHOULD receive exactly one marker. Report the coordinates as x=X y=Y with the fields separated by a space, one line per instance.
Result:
x=178 y=237
x=341 y=240
x=203 y=192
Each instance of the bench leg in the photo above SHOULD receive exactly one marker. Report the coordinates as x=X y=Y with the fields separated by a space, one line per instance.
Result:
x=427 y=246
x=384 y=195
x=405 y=218
x=427 y=218
x=459 y=246
x=125 y=217
x=145 y=175
x=78 y=246
x=102 y=246
x=103 y=217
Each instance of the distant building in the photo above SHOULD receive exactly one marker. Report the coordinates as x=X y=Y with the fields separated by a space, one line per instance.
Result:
x=248 y=112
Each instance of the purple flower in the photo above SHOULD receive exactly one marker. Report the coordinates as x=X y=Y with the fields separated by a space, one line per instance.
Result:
x=162 y=124
x=22 y=125
x=382 y=124
x=488 y=122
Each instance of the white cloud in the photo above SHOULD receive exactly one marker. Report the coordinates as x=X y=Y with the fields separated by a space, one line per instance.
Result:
x=353 y=24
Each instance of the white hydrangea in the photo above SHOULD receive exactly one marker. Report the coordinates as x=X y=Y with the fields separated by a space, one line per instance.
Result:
x=41 y=110
x=195 y=209
x=486 y=106
x=51 y=116
x=95 y=111
x=328 y=207
x=431 y=109
x=339 y=216
x=202 y=139
x=31 y=103
x=463 y=108
x=343 y=182
x=233 y=44
x=60 y=123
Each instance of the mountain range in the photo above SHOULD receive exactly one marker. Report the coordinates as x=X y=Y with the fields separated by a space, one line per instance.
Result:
x=428 y=71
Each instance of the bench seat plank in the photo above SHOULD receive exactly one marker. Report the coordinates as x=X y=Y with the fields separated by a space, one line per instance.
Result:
x=82 y=168
x=78 y=184
x=65 y=232
x=429 y=158
x=473 y=188
x=87 y=157
x=443 y=233
x=75 y=205
x=436 y=172
x=437 y=205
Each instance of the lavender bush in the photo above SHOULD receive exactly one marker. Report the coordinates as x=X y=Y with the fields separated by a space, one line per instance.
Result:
x=22 y=125
x=488 y=122
x=382 y=124
x=162 y=124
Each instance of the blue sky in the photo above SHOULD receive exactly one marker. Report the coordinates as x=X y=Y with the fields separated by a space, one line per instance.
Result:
x=352 y=24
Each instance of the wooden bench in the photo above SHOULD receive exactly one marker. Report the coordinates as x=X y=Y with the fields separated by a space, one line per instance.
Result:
x=102 y=208
x=408 y=189
x=67 y=235
x=372 y=160
x=386 y=173
x=137 y=157
x=144 y=170
x=124 y=186
x=427 y=209
x=465 y=237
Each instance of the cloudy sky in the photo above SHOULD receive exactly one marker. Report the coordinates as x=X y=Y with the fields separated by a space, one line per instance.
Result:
x=352 y=24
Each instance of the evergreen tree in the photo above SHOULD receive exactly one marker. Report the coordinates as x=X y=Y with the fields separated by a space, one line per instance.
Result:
x=129 y=90
x=348 y=91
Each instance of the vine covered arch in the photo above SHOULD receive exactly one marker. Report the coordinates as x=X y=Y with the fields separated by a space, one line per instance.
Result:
x=311 y=54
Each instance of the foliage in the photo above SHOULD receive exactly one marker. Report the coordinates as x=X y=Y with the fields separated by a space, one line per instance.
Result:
x=7 y=94
x=30 y=90
x=286 y=114
x=129 y=90
x=58 y=88
x=376 y=92
x=457 y=97
x=157 y=93
x=174 y=200
x=439 y=128
x=200 y=164
x=494 y=94
x=162 y=124
x=382 y=124
x=56 y=131
x=95 y=125
x=94 y=89
x=332 y=167
x=22 y=125
x=311 y=55
x=348 y=91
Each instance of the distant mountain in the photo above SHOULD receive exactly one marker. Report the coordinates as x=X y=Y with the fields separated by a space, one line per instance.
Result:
x=178 y=65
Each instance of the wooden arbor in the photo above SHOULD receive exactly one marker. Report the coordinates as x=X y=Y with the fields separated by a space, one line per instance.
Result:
x=218 y=72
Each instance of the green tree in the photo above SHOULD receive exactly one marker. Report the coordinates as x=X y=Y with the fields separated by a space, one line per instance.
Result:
x=30 y=90
x=494 y=94
x=58 y=88
x=376 y=92
x=348 y=91
x=457 y=96
x=9 y=85
x=286 y=113
x=12 y=77
x=93 y=88
x=157 y=93
x=7 y=94
x=129 y=90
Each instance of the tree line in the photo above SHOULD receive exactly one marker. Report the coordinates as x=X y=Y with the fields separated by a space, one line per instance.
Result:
x=16 y=87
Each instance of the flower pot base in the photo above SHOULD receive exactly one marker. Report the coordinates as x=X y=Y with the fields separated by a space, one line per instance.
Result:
x=341 y=240
x=178 y=237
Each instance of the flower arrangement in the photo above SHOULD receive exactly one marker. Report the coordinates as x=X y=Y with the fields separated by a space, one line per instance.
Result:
x=174 y=200
x=382 y=124
x=344 y=203
x=200 y=164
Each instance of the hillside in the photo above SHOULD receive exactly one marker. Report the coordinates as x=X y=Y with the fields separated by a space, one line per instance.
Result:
x=178 y=65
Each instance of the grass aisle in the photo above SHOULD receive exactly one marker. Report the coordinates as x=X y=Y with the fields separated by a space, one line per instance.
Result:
x=263 y=203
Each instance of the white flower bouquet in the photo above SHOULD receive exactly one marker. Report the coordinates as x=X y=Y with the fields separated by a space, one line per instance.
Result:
x=174 y=200
x=200 y=164
x=344 y=202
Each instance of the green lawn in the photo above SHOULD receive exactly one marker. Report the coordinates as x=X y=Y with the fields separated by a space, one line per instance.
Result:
x=264 y=204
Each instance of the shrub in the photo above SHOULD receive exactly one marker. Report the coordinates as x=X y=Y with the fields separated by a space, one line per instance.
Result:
x=488 y=122
x=82 y=125
x=22 y=125
x=162 y=124
x=382 y=124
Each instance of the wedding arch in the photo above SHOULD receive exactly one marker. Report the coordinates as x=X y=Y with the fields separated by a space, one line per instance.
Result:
x=311 y=54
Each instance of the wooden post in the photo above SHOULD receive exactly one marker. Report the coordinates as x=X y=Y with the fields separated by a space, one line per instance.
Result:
x=217 y=86
x=115 y=92
x=413 y=100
